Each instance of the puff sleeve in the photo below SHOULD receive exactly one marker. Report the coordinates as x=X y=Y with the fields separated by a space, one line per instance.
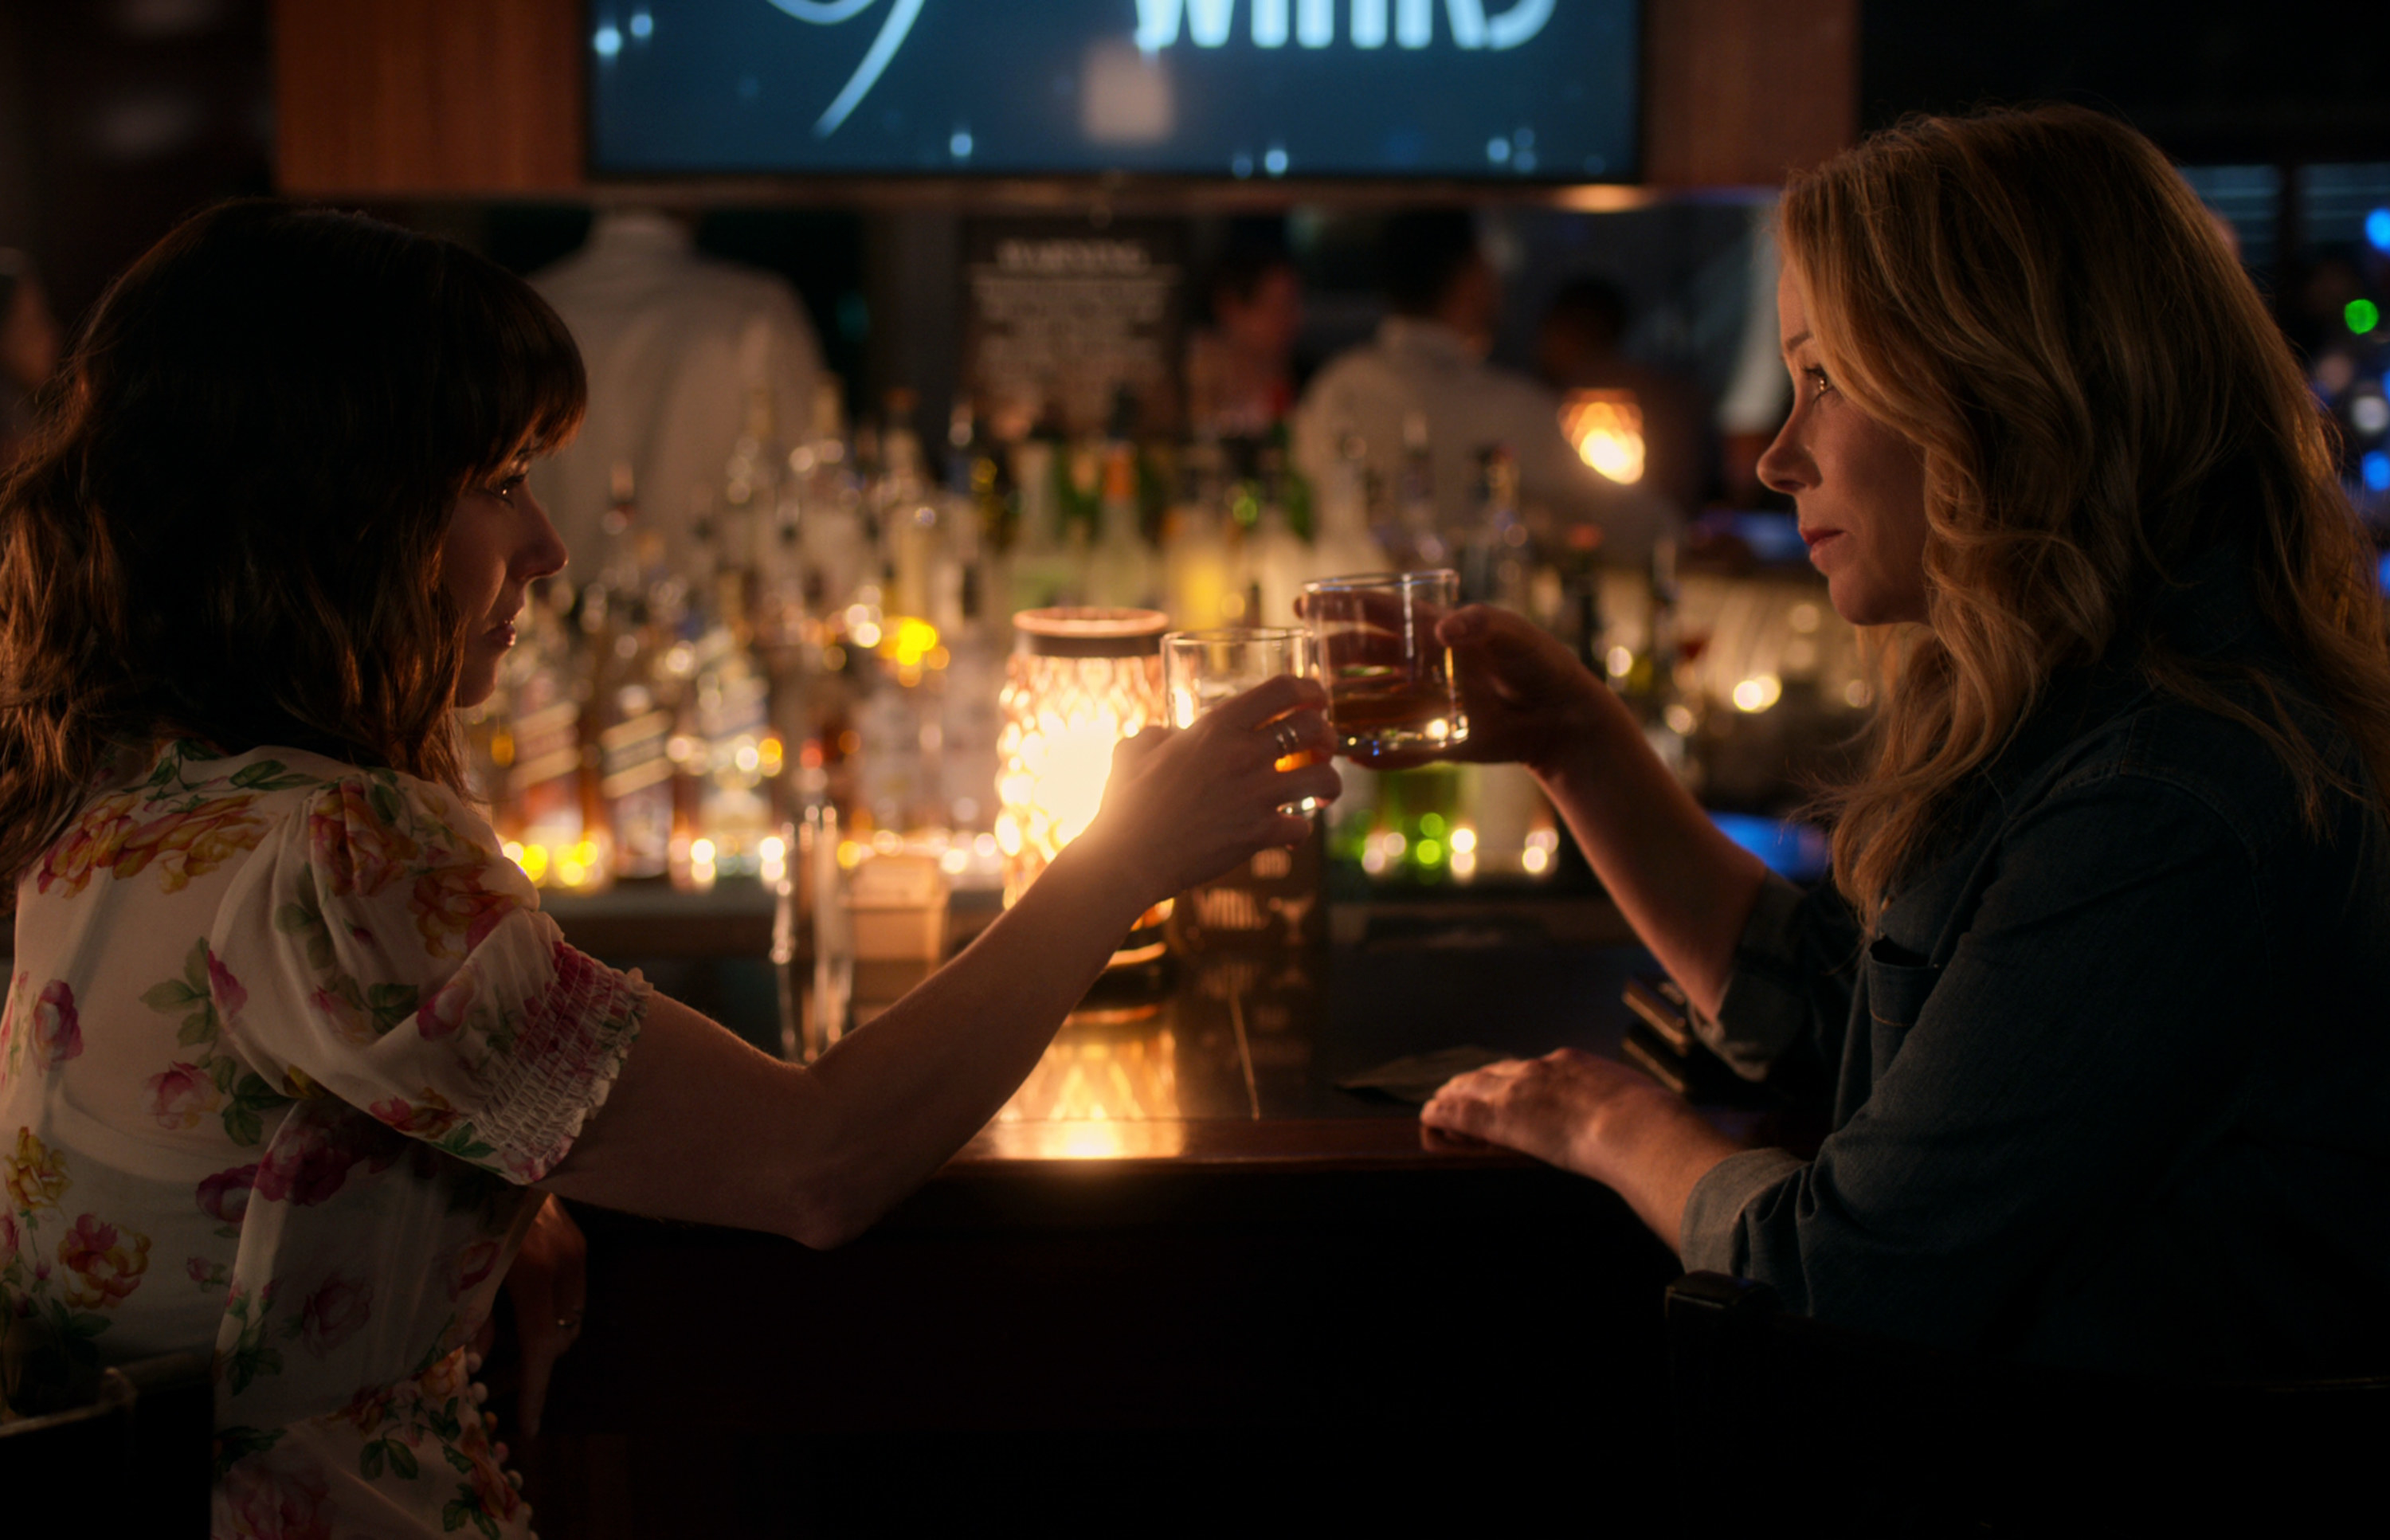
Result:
x=380 y=948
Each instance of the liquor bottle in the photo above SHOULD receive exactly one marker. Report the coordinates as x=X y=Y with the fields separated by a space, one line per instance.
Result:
x=1272 y=564
x=975 y=515
x=894 y=780
x=1496 y=561
x=615 y=579
x=544 y=717
x=721 y=723
x=1036 y=558
x=1079 y=483
x=1121 y=570
x=679 y=609
x=631 y=733
x=489 y=754
x=1295 y=490
x=970 y=715
x=912 y=539
x=748 y=507
x=783 y=615
x=1342 y=544
x=1197 y=560
x=734 y=803
x=831 y=527
x=1660 y=682
x=1418 y=536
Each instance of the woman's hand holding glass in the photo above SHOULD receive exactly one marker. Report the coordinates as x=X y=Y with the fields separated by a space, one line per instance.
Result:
x=1185 y=804
x=1391 y=697
x=1527 y=699
x=1203 y=669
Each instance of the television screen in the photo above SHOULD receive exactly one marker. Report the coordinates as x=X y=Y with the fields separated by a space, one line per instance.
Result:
x=1510 y=90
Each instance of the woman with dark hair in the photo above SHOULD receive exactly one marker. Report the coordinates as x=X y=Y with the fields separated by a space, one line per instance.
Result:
x=290 y=1053
x=2097 y=998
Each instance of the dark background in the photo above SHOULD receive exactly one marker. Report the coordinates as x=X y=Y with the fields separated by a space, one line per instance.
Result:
x=118 y=116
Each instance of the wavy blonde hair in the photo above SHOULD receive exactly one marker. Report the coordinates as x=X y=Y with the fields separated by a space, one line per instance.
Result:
x=2036 y=298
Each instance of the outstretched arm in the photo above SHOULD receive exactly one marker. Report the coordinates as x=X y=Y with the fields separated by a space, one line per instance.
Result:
x=1685 y=888
x=702 y=1127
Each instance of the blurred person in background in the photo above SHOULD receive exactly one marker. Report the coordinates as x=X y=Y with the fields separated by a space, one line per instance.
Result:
x=1428 y=362
x=1241 y=370
x=1578 y=347
x=676 y=343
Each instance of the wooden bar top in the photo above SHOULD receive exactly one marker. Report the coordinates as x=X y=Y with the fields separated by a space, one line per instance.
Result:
x=1221 y=1061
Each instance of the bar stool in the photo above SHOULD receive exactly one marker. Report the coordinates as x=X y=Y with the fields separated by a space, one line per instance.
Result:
x=135 y=1459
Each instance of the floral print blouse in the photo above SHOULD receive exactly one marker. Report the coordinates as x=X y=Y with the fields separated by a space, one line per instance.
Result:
x=283 y=1043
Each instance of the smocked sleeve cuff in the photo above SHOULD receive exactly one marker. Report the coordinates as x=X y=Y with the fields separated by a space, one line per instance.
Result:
x=571 y=1046
x=1766 y=1007
x=1707 y=1237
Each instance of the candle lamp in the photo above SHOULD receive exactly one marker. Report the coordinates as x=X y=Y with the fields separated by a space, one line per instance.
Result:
x=1078 y=682
x=1607 y=429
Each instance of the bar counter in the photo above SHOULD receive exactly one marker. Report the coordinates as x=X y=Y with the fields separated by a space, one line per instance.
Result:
x=1181 y=1233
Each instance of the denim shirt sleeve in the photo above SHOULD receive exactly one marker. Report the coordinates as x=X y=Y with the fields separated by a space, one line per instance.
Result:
x=2088 y=1030
x=1787 y=1000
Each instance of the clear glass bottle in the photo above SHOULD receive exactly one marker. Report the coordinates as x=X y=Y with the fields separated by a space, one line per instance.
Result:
x=729 y=711
x=831 y=526
x=1271 y=563
x=1418 y=536
x=1042 y=573
x=1342 y=544
x=1197 y=560
x=1498 y=559
x=543 y=710
x=1120 y=574
x=631 y=733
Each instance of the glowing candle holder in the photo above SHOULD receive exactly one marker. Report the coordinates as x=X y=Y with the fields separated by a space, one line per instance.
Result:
x=1607 y=429
x=1077 y=683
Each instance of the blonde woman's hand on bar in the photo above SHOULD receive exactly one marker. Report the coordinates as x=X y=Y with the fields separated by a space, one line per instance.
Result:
x=1591 y=1115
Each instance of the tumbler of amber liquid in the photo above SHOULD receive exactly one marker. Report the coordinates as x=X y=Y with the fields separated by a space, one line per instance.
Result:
x=1390 y=680
x=1199 y=669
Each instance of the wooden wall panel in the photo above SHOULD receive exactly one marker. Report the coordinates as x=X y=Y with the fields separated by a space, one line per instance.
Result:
x=1739 y=92
x=427 y=96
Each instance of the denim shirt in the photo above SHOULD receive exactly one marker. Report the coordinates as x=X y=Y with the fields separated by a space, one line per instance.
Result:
x=2109 y=1084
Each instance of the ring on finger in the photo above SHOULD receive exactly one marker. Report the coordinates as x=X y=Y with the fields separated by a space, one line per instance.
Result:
x=1286 y=739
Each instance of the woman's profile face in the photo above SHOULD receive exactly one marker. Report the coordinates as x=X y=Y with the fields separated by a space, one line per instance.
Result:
x=1859 y=486
x=498 y=543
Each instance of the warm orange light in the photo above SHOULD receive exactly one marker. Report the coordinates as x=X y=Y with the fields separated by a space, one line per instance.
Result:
x=1607 y=428
x=1101 y=1091
x=1079 y=682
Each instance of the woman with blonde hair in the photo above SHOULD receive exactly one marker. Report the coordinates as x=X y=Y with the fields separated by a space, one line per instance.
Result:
x=2100 y=996
x=290 y=1055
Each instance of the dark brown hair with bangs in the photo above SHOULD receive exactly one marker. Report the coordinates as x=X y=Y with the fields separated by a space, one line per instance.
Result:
x=229 y=526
